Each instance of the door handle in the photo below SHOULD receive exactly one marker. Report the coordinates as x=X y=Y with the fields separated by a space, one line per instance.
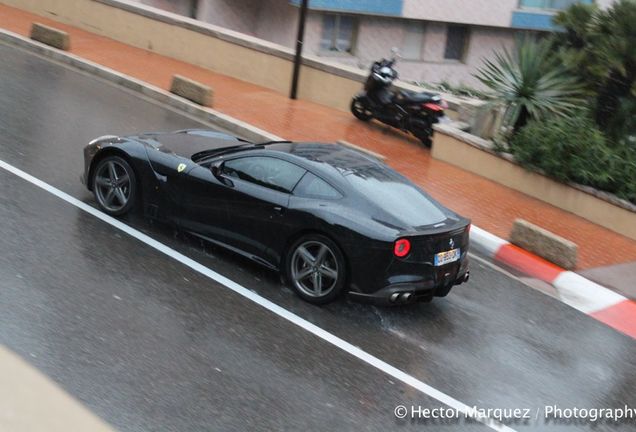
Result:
x=278 y=209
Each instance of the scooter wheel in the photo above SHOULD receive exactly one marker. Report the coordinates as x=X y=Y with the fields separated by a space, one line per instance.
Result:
x=360 y=110
x=425 y=135
x=426 y=140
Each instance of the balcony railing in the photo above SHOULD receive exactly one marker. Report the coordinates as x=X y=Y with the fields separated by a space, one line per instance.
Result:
x=550 y=4
x=374 y=7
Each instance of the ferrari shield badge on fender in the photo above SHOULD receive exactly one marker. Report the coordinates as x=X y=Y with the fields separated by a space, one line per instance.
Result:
x=181 y=167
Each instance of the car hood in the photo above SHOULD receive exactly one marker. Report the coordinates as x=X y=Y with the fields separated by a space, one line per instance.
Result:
x=187 y=143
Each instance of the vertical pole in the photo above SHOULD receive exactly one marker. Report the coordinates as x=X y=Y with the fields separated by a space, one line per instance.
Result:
x=299 y=48
x=194 y=8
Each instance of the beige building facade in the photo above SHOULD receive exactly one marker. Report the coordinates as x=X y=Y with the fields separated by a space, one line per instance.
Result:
x=439 y=41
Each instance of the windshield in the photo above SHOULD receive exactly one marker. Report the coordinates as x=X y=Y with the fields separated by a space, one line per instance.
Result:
x=200 y=156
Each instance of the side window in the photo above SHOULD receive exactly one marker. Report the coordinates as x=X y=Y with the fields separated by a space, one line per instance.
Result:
x=338 y=33
x=456 y=42
x=413 y=40
x=265 y=171
x=314 y=187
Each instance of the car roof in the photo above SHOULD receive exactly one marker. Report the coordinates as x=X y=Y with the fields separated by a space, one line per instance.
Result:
x=342 y=158
x=330 y=161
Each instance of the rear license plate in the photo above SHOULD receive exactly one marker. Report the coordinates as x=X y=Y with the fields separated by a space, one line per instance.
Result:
x=447 y=257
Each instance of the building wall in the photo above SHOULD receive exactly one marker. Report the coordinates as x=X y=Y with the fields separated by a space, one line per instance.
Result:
x=238 y=15
x=377 y=35
x=494 y=13
x=434 y=68
x=313 y=32
x=276 y=21
x=483 y=41
x=181 y=7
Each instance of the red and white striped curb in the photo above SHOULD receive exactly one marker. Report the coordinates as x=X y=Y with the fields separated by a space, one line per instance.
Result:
x=573 y=289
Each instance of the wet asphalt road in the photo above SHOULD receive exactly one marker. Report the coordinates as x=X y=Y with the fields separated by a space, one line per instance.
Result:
x=149 y=344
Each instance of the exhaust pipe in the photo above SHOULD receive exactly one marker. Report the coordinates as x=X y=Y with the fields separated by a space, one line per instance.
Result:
x=406 y=297
x=394 y=297
x=466 y=277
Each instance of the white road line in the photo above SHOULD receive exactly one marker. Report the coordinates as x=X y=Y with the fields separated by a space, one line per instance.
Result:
x=272 y=307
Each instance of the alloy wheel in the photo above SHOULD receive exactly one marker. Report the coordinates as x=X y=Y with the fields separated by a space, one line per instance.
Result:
x=113 y=185
x=314 y=269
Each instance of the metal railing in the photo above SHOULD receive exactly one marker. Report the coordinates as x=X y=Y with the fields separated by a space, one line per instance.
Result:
x=550 y=4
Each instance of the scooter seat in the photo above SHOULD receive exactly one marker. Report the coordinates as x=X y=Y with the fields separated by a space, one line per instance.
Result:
x=417 y=97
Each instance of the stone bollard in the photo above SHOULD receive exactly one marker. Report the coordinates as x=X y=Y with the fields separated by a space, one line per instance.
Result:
x=50 y=36
x=539 y=241
x=191 y=90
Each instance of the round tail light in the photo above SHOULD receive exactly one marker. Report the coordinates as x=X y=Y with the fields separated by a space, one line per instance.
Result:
x=402 y=248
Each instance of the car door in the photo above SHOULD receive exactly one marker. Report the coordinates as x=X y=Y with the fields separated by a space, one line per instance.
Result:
x=257 y=209
x=202 y=203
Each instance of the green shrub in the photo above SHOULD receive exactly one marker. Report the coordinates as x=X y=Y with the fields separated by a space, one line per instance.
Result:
x=622 y=126
x=573 y=149
x=626 y=169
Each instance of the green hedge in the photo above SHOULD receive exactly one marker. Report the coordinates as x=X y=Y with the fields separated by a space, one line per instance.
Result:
x=573 y=149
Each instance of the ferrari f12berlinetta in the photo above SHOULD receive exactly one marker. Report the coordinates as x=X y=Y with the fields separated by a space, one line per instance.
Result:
x=332 y=219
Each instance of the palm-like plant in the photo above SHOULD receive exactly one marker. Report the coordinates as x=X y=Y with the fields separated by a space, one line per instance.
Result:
x=600 y=48
x=531 y=84
x=572 y=44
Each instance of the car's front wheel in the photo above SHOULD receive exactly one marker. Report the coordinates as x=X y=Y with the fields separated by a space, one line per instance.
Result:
x=115 y=185
x=315 y=268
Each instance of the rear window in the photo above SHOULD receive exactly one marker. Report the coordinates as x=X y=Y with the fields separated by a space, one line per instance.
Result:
x=398 y=196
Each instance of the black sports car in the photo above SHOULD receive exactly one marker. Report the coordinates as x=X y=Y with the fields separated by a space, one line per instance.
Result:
x=330 y=218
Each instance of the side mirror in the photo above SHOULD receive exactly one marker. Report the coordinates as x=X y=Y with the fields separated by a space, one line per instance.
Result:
x=395 y=53
x=217 y=169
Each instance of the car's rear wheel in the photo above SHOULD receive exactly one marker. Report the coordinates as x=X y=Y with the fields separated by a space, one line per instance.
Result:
x=315 y=269
x=115 y=185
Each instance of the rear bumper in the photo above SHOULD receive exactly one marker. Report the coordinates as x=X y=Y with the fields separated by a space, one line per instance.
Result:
x=405 y=293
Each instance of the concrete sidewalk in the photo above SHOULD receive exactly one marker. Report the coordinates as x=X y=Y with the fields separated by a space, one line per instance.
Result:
x=32 y=402
x=490 y=206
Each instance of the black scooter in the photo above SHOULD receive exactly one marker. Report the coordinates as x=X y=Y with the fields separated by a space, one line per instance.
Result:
x=414 y=112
